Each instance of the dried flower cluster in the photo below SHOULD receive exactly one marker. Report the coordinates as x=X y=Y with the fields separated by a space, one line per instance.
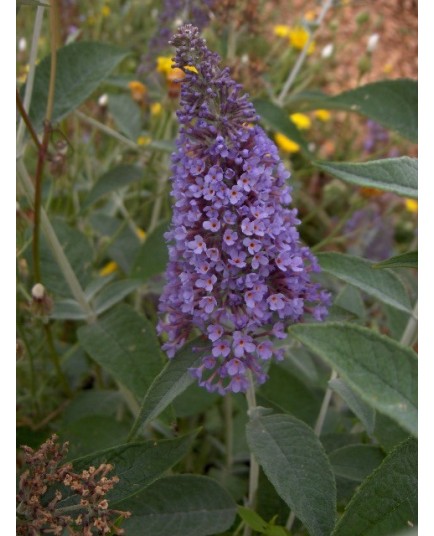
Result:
x=236 y=270
x=47 y=482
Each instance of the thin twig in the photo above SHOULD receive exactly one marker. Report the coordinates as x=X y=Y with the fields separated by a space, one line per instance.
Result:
x=43 y=151
x=27 y=122
x=254 y=467
x=327 y=4
x=31 y=75
x=56 y=247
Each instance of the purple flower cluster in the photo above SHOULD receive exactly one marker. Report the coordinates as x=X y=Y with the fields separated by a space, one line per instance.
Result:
x=236 y=270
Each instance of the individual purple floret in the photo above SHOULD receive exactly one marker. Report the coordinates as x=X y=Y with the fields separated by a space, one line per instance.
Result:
x=237 y=271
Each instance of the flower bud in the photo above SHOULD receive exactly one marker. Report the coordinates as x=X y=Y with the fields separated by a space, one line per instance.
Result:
x=38 y=292
x=372 y=43
x=327 y=51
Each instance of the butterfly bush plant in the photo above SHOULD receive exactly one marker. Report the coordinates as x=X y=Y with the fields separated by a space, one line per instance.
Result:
x=216 y=294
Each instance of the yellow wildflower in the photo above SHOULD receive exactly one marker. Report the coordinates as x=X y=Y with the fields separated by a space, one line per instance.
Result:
x=411 y=205
x=310 y=15
x=302 y=121
x=91 y=20
x=164 y=64
x=285 y=144
x=281 y=30
x=322 y=115
x=106 y=11
x=141 y=234
x=138 y=90
x=298 y=37
x=156 y=108
x=22 y=76
x=143 y=140
x=108 y=269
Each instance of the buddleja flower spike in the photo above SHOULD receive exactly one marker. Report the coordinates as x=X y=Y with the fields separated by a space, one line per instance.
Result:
x=237 y=271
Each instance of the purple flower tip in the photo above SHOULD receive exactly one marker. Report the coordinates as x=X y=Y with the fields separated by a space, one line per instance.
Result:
x=237 y=271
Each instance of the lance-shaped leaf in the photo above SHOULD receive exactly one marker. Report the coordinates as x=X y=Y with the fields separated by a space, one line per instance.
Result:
x=125 y=344
x=356 y=462
x=172 y=381
x=383 y=285
x=380 y=370
x=387 y=500
x=81 y=67
x=179 y=505
x=397 y=175
x=295 y=462
x=392 y=103
x=114 y=179
x=406 y=260
x=358 y=406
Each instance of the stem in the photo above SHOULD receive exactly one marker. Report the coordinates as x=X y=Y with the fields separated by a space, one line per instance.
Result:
x=254 y=467
x=26 y=119
x=107 y=130
x=161 y=186
x=56 y=247
x=31 y=76
x=327 y=4
x=232 y=41
x=324 y=407
x=43 y=150
x=317 y=430
x=56 y=361
x=228 y=410
x=410 y=329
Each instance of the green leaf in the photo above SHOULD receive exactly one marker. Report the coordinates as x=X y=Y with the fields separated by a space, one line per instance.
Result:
x=92 y=432
x=125 y=344
x=138 y=464
x=92 y=402
x=406 y=260
x=179 y=505
x=356 y=462
x=114 y=179
x=380 y=370
x=296 y=464
x=126 y=114
x=276 y=118
x=113 y=294
x=252 y=519
x=79 y=252
x=383 y=285
x=397 y=175
x=388 y=433
x=172 y=381
x=153 y=254
x=387 y=500
x=273 y=530
x=286 y=393
x=392 y=103
x=360 y=408
x=67 y=309
x=81 y=67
